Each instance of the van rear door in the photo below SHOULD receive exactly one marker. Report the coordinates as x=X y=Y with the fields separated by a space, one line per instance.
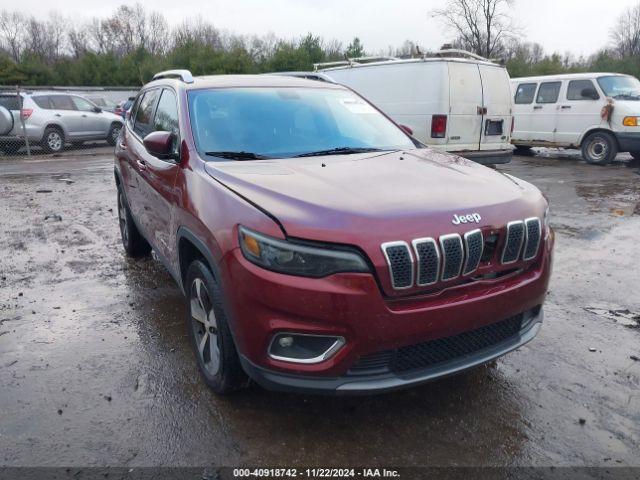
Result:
x=496 y=121
x=465 y=111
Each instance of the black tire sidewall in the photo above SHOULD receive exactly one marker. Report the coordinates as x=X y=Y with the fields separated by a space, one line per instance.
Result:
x=612 y=148
x=230 y=375
x=135 y=245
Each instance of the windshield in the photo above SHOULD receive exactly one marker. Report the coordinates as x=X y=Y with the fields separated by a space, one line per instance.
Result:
x=288 y=122
x=620 y=87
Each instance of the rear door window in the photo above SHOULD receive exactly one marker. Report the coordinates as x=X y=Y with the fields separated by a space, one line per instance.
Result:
x=549 y=92
x=525 y=93
x=144 y=114
x=10 y=102
x=61 y=102
x=42 y=101
x=577 y=87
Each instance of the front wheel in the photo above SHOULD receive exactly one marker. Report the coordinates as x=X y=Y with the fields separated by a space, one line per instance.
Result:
x=114 y=133
x=599 y=148
x=208 y=329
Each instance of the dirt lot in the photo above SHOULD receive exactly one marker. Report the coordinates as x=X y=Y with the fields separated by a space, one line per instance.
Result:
x=95 y=365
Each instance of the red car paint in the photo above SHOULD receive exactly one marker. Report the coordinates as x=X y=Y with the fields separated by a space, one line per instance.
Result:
x=361 y=200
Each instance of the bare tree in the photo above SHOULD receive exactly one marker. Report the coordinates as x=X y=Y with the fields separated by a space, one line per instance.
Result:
x=480 y=26
x=626 y=33
x=12 y=28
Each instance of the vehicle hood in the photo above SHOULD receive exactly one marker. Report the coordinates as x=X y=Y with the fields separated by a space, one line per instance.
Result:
x=383 y=197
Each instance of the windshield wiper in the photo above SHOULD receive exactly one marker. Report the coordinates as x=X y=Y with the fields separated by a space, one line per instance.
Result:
x=627 y=96
x=237 y=155
x=340 y=151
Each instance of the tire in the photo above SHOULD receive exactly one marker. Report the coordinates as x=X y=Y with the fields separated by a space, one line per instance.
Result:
x=114 y=133
x=523 y=151
x=133 y=242
x=11 y=148
x=635 y=155
x=52 y=140
x=599 y=148
x=208 y=329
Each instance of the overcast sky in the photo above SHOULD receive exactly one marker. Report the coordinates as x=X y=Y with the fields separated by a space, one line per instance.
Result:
x=576 y=26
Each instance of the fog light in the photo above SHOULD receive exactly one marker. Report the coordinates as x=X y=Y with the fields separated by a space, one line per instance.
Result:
x=285 y=342
x=302 y=348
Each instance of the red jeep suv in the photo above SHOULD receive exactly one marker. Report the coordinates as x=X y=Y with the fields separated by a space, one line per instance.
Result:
x=320 y=248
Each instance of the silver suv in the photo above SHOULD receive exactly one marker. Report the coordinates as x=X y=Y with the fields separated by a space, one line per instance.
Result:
x=53 y=120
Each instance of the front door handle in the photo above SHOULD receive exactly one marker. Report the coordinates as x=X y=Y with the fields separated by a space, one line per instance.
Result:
x=565 y=107
x=142 y=164
x=57 y=115
x=538 y=107
x=84 y=115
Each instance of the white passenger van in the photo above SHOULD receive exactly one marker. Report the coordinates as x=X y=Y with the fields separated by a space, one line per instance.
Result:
x=454 y=101
x=596 y=112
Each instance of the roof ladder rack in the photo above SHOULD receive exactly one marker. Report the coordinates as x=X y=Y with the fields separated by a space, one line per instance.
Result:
x=184 y=75
x=353 y=61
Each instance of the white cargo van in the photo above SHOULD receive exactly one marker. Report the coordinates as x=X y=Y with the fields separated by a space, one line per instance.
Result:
x=596 y=112
x=454 y=101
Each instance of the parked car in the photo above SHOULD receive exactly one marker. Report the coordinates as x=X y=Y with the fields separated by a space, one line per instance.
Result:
x=321 y=248
x=54 y=119
x=454 y=101
x=596 y=112
x=104 y=103
x=124 y=106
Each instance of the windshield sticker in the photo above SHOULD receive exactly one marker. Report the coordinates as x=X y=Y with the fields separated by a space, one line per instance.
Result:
x=357 y=106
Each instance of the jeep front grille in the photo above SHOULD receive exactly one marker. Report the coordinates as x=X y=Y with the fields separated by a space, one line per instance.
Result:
x=453 y=256
x=400 y=263
x=532 y=238
x=474 y=245
x=513 y=242
x=428 y=260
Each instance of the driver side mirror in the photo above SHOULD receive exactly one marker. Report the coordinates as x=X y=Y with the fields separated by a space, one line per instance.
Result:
x=160 y=145
x=406 y=129
x=97 y=109
x=590 y=93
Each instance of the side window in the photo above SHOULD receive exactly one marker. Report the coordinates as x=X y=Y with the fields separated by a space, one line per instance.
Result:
x=42 y=101
x=142 y=124
x=132 y=111
x=578 y=88
x=166 y=118
x=61 y=102
x=526 y=93
x=82 y=104
x=549 y=92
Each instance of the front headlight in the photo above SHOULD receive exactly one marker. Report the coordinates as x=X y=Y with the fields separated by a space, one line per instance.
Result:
x=296 y=259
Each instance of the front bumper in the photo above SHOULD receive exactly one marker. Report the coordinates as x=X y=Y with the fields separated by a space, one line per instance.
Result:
x=262 y=303
x=488 y=157
x=628 y=141
x=381 y=383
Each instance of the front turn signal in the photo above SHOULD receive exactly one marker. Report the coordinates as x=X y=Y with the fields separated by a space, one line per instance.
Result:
x=630 y=121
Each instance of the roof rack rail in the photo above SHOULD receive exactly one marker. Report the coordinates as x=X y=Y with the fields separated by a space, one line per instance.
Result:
x=184 y=75
x=456 y=52
x=353 y=61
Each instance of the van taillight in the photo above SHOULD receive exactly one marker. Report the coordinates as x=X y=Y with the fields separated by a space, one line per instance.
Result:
x=438 y=126
x=26 y=113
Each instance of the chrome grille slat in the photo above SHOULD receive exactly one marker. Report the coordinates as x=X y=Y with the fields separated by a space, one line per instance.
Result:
x=400 y=262
x=533 y=232
x=474 y=246
x=513 y=242
x=452 y=256
x=427 y=261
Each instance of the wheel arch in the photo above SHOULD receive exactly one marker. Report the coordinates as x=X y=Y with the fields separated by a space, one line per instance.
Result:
x=190 y=248
x=57 y=126
x=596 y=130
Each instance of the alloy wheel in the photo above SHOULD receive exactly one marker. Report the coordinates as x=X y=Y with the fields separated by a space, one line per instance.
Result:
x=54 y=141
x=205 y=327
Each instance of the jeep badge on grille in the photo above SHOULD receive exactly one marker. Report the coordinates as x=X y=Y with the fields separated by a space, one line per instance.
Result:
x=470 y=218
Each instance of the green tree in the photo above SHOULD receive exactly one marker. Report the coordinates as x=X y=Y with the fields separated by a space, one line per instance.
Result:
x=355 y=49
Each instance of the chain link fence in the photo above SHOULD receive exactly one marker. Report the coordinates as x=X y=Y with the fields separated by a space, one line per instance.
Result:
x=53 y=120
